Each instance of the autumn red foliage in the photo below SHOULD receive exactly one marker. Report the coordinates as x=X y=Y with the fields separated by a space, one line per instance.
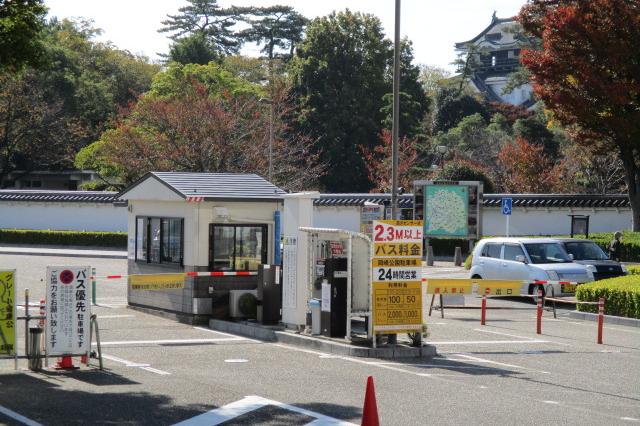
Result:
x=525 y=169
x=586 y=70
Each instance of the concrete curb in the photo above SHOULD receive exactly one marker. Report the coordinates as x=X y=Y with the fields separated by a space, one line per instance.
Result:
x=64 y=253
x=608 y=319
x=270 y=335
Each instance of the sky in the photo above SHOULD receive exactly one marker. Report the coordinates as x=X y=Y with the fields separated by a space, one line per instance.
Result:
x=433 y=25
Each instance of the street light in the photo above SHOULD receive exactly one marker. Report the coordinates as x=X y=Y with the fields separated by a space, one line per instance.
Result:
x=270 y=102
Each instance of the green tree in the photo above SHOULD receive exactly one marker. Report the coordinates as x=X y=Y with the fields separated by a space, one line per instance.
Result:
x=534 y=131
x=451 y=107
x=460 y=169
x=192 y=49
x=339 y=75
x=21 y=24
x=206 y=19
x=276 y=28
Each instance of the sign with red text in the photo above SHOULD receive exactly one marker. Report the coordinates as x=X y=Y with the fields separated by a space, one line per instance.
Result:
x=68 y=310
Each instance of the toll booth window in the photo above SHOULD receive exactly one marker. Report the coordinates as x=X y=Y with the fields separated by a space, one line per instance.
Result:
x=159 y=240
x=237 y=247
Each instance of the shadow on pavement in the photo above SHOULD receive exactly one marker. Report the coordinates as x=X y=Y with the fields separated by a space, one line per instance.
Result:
x=49 y=403
x=345 y=412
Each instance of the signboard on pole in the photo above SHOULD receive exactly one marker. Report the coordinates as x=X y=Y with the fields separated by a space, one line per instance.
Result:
x=7 y=312
x=68 y=310
x=397 y=276
x=507 y=206
x=368 y=213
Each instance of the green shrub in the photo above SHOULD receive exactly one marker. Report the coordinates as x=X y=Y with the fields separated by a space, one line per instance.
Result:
x=467 y=262
x=622 y=296
x=633 y=270
x=63 y=238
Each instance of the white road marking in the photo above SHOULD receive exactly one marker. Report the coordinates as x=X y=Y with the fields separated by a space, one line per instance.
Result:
x=171 y=341
x=551 y=402
x=487 y=342
x=514 y=335
x=444 y=366
x=251 y=403
x=18 y=417
x=594 y=324
x=115 y=316
x=226 y=334
x=236 y=361
x=630 y=419
x=488 y=361
x=128 y=363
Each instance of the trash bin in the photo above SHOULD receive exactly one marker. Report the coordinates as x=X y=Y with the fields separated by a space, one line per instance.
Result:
x=35 y=354
x=315 y=306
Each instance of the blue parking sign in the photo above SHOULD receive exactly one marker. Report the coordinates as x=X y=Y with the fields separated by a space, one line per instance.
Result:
x=507 y=204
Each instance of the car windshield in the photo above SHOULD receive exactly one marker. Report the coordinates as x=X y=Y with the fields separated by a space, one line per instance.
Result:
x=547 y=253
x=585 y=250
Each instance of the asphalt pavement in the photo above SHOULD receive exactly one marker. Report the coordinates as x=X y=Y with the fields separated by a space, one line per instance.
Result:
x=162 y=372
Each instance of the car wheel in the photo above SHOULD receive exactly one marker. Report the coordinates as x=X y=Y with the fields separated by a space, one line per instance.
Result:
x=533 y=290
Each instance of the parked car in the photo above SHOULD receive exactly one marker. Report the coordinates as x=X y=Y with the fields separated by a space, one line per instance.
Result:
x=530 y=260
x=587 y=252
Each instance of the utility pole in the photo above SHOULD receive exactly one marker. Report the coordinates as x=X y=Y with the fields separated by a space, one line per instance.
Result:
x=396 y=116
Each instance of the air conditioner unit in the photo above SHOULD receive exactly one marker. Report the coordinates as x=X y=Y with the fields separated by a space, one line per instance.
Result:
x=235 y=310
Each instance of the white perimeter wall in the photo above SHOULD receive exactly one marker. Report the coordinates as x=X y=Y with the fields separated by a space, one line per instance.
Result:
x=553 y=221
x=63 y=216
x=522 y=222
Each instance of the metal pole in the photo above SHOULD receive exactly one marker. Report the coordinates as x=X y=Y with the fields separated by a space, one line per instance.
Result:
x=26 y=323
x=396 y=115
x=271 y=140
x=93 y=286
x=507 y=233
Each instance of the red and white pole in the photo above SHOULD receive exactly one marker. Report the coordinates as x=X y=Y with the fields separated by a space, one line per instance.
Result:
x=600 y=318
x=539 y=313
x=42 y=313
x=483 y=314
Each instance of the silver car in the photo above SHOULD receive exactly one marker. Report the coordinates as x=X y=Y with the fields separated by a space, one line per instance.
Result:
x=538 y=262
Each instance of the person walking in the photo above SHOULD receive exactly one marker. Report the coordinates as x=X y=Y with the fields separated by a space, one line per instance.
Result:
x=614 y=247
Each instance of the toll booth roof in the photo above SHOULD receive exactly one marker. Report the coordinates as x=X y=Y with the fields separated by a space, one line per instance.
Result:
x=211 y=186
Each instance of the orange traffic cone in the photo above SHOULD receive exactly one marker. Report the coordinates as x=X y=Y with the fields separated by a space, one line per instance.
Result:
x=370 y=410
x=66 y=363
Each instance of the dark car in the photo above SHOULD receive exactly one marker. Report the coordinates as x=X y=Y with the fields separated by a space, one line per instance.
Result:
x=587 y=252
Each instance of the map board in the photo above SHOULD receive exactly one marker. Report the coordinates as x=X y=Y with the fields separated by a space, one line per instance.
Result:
x=7 y=312
x=446 y=210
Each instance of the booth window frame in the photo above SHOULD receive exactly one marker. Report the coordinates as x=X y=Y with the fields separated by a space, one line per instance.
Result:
x=264 y=253
x=161 y=259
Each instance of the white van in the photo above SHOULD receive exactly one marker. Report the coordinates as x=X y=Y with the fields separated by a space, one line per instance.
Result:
x=530 y=260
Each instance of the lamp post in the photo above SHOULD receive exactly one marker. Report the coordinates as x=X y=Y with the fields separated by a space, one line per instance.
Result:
x=396 y=115
x=270 y=102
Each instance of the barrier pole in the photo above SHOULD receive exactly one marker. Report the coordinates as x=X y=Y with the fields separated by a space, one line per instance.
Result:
x=93 y=286
x=600 y=318
x=483 y=315
x=26 y=323
x=539 y=313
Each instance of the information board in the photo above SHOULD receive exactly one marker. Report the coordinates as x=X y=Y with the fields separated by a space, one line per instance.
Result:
x=7 y=312
x=289 y=272
x=156 y=282
x=472 y=286
x=68 y=310
x=396 y=270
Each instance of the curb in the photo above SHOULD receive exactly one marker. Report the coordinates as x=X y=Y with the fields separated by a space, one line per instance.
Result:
x=270 y=335
x=64 y=254
x=608 y=319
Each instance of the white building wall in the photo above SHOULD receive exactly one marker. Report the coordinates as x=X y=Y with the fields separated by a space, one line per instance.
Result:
x=553 y=221
x=63 y=216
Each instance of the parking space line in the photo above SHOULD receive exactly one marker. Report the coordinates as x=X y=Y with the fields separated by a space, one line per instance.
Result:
x=18 y=417
x=114 y=316
x=503 y=334
x=488 y=361
x=128 y=363
x=172 y=341
x=487 y=342
x=226 y=334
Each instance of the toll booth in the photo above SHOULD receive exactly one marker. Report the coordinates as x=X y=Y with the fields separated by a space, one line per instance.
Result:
x=204 y=236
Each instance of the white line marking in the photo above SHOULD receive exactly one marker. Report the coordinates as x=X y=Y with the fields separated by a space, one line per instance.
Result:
x=444 y=366
x=502 y=334
x=18 y=417
x=115 y=316
x=593 y=324
x=551 y=402
x=227 y=334
x=251 y=403
x=488 y=342
x=174 y=341
x=630 y=419
x=128 y=363
x=488 y=361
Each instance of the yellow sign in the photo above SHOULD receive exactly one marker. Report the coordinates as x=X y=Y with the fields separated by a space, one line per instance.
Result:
x=157 y=282
x=469 y=286
x=448 y=286
x=413 y=249
x=397 y=307
x=397 y=262
x=7 y=312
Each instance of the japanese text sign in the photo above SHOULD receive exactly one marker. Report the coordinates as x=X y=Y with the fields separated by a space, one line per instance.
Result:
x=156 y=282
x=7 y=312
x=398 y=306
x=68 y=310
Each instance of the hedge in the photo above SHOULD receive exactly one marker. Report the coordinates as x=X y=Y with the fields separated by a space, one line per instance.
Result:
x=633 y=270
x=629 y=245
x=63 y=238
x=622 y=296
